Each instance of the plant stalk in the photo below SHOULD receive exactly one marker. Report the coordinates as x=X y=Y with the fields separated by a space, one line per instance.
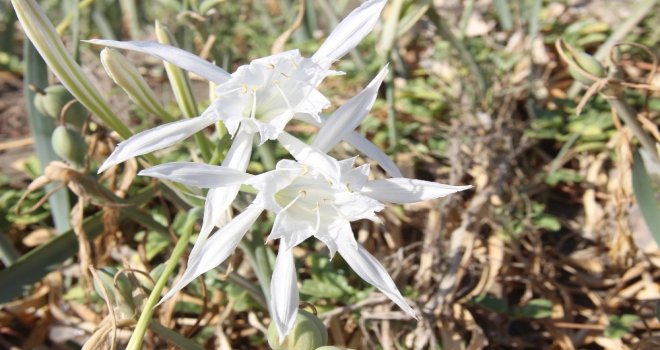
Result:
x=629 y=117
x=135 y=342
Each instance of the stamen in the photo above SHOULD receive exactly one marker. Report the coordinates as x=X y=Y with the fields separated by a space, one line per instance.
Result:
x=318 y=218
x=230 y=91
x=286 y=99
x=301 y=194
x=253 y=112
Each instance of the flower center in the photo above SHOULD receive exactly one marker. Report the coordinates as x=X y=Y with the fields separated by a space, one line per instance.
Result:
x=306 y=196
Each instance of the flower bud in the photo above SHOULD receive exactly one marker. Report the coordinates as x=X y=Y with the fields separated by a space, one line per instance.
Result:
x=118 y=291
x=52 y=101
x=124 y=74
x=308 y=333
x=589 y=64
x=69 y=145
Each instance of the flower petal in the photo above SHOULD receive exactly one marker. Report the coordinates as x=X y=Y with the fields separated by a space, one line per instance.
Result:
x=293 y=229
x=156 y=138
x=372 y=151
x=217 y=248
x=197 y=174
x=180 y=58
x=347 y=117
x=284 y=293
x=310 y=156
x=350 y=31
x=365 y=146
x=403 y=190
x=367 y=267
x=218 y=200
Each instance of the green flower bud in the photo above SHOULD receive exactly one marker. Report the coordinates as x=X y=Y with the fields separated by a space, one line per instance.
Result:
x=69 y=145
x=124 y=74
x=579 y=76
x=53 y=100
x=308 y=333
x=589 y=64
x=118 y=291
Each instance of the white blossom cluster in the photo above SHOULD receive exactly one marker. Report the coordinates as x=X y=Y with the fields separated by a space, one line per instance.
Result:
x=311 y=195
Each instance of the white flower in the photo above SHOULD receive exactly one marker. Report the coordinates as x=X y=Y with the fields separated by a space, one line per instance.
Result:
x=315 y=195
x=260 y=97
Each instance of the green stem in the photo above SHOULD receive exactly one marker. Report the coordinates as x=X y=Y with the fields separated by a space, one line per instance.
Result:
x=629 y=117
x=135 y=343
x=250 y=288
x=391 y=111
x=267 y=155
x=258 y=258
x=468 y=9
x=469 y=61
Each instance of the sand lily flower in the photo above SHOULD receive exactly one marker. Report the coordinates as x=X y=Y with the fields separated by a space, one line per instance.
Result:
x=259 y=98
x=315 y=195
x=340 y=125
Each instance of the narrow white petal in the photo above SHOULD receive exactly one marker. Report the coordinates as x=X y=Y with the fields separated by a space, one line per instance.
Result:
x=157 y=138
x=365 y=146
x=310 y=156
x=218 y=200
x=180 y=58
x=238 y=156
x=372 y=151
x=347 y=117
x=197 y=174
x=350 y=31
x=218 y=248
x=403 y=190
x=367 y=267
x=284 y=293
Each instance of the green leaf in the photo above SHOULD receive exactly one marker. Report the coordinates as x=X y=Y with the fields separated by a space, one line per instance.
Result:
x=42 y=127
x=547 y=222
x=173 y=337
x=241 y=298
x=620 y=325
x=563 y=175
x=646 y=196
x=492 y=303
x=42 y=34
x=535 y=308
x=36 y=264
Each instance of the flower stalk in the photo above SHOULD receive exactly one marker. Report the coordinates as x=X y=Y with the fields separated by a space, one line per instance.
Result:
x=135 y=342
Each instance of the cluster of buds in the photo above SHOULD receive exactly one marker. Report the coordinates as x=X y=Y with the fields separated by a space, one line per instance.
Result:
x=56 y=101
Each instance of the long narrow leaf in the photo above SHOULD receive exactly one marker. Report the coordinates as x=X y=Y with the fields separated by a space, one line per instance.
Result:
x=182 y=90
x=504 y=14
x=33 y=266
x=41 y=32
x=645 y=195
x=42 y=128
x=8 y=253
